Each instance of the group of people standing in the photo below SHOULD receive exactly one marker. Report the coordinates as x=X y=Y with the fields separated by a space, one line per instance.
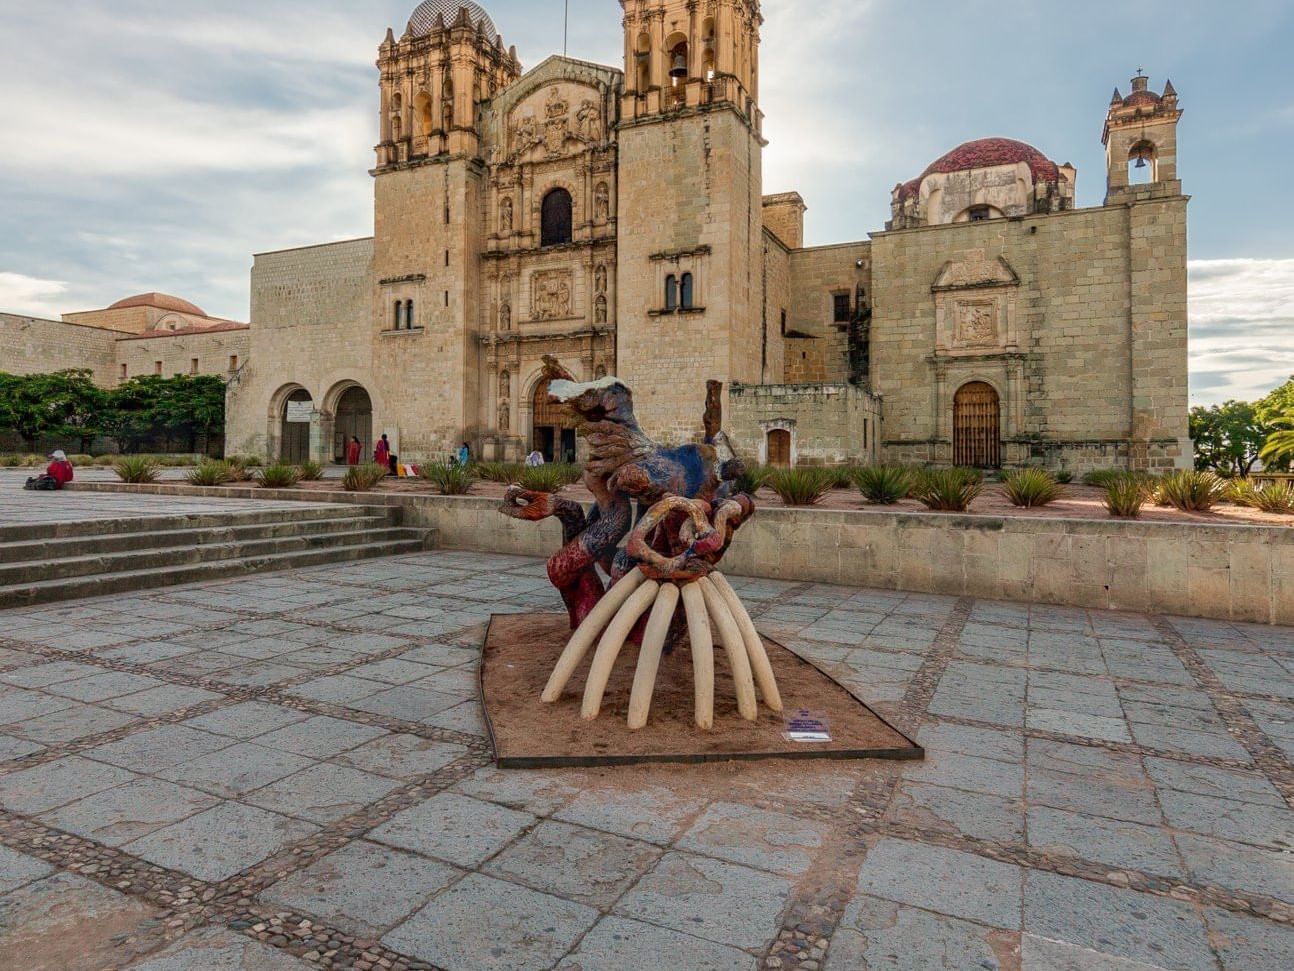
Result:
x=383 y=456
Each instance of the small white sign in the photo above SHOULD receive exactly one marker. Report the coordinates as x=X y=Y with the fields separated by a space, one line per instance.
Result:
x=299 y=411
x=805 y=726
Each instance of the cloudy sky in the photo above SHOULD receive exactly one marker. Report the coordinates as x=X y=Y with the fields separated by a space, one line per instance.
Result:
x=157 y=144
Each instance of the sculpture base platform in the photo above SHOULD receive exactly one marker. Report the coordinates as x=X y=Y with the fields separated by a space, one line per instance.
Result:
x=519 y=654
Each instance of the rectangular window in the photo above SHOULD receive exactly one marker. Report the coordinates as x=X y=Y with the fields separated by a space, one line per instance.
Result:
x=783 y=323
x=157 y=367
x=233 y=362
x=840 y=305
x=671 y=293
x=123 y=372
x=685 y=292
x=447 y=257
x=193 y=366
x=446 y=298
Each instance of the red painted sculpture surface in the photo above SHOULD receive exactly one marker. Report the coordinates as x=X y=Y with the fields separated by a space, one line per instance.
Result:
x=688 y=517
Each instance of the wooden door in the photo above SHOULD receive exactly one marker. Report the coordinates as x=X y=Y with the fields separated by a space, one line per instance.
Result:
x=977 y=423
x=779 y=448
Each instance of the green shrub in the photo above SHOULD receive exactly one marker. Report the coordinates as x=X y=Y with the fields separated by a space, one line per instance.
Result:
x=1242 y=492
x=1191 y=490
x=948 y=490
x=280 y=475
x=252 y=462
x=210 y=474
x=569 y=472
x=541 y=478
x=1064 y=477
x=362 y=478
x=801 y=487
x=103 y=461
x=884 y=484
x=35 y=461
x=1126 y=493
x=11 y=461
x=137 y=469
x=1276 y=497
x=450 y=478
x=81 y=459
x=1102 y=477
x=842 y=476
x=1030 y=487
x=502 y=472
x=310 y=471
x=752 y=479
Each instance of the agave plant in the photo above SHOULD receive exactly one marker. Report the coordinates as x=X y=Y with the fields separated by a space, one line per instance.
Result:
x=1126 y=493
x=1028 y=488
x=569 y=472
x=1191 y=490
x=137 y=469
x=210 y=474
x=948 y=490
x=11 y=461
x=362 y=478
x=803 y=486
x=503 y=472
x=310 y=471
x=280 y=475
x=1102 y=477
x=752 y=479
x=1277 y=497
x=1242 y=492
x=451 y=479
x=884 y=484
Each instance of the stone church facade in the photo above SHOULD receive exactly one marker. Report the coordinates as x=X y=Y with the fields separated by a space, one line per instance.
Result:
x=614 y=218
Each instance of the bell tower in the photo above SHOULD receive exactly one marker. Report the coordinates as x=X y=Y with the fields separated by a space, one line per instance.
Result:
x=1140 y=139
x=690 y=248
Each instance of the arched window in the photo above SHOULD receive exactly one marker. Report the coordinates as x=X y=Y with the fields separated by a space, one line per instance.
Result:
x=1143 y=163
x=685 y=292
x=671 y=293
x=408 y=315
x=555 y=219
x=398 y=316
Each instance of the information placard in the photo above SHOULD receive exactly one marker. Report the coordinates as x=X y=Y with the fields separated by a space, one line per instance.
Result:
x=805 y=726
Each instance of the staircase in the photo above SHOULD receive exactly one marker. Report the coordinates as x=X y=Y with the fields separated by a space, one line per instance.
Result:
x=46 y=562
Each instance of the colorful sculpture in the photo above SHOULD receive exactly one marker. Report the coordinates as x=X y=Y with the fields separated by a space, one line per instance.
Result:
x=670 y=554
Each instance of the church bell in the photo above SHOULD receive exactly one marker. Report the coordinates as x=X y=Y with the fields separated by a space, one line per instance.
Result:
x=679 y=68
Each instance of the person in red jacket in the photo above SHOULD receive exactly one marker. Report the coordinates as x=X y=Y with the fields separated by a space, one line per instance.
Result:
x=58 y=474
x=354 y=450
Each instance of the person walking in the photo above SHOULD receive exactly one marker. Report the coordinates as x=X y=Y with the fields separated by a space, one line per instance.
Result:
x=464 y=455
x=535 y=459
x=382 y=454
x=58 y=474
x=354 y=450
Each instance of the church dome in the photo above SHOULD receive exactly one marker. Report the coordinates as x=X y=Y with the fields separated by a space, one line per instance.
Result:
x=985 y=153
x=426 y=18
x=159 y=301
x=1137 y=98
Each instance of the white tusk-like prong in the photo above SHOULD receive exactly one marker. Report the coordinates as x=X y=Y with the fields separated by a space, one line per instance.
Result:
x=735 y=645
x=588 y=631
x=759 y=663
x=698 y=629
x=649 y=656
x=613 y=640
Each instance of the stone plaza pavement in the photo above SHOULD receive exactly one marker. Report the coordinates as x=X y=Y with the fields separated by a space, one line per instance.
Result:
x=289 y=771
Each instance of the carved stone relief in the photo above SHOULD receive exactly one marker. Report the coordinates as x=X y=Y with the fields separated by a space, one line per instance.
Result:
x=505 y=316
x=551 y=295
x=557 y=123
x=588 y=122
x=600 y=310
x=976 y=323
x=505 y=216
x=600 y=279
x=601 y=202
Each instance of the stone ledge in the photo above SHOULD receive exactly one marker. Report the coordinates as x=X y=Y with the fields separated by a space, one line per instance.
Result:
x=1228 y=572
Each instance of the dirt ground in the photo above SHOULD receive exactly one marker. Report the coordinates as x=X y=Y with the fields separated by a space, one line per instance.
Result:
x=1078 y=502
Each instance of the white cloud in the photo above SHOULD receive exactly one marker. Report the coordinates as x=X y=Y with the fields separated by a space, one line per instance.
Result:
x=21 y=294
x=1242 y=327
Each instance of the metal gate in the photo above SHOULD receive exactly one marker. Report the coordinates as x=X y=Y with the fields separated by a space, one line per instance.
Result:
x=779 y=448
x=977 y=421
x=294 y=444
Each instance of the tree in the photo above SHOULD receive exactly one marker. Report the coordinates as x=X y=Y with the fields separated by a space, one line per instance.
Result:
x=1228 y=437
x=1279 y=403
x=65 y=403
x=1277 y=412
x=153 y=408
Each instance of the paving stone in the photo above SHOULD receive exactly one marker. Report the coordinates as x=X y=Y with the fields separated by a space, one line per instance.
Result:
x=483 y=924
x=320 y=736
x=943 y=880
x=217 y=949
x=454 y=828
x=162 y=700
x=340 y=689
x=407 y=702
x=232 y=772
x=755 y=837
x=363 y=888
x=722 y=902
x=392 y=670
x=16 y=748
x=968 y=772
x=18 y=705
x=1228 y=819
x=580 y=864
x=1086 y=761
x=67 y=923
x=158 y=748
x=148 y=652
x=1218 y=745
x=1236 y=866
x=44 y=787
x=1078 y=723
x=974 y=814
x=618 y=944
x=541 y=792
x=988 y=743
x=400 y=756
x=465 y=718
x=222 y=841
x=17 y=869
x=1121 y=923
x=117 y=816
x=1207 y=781
x=1039 y=954
x=259 y=674
x=323 y=793
x=879 y=935
x=653 y=813
x=247 y=720
x=69 y=724
x=1250 y=943
x=1116 y=843
x=1094 y=797
x=104 y=685
x=48 y=673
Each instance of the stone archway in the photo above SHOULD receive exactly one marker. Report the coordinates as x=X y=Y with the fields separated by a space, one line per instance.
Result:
x=352 y=417
x=552 y=427
x=977 y=426
x=295 y=420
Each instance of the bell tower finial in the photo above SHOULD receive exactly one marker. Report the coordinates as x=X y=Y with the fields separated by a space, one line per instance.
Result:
x=1140 y=139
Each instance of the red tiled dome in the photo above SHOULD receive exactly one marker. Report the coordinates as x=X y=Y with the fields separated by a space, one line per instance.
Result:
x=984 y=153
x=1141 y=98
x=161 y=301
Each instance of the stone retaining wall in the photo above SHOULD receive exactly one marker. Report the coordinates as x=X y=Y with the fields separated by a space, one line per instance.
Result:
x=1228 y=572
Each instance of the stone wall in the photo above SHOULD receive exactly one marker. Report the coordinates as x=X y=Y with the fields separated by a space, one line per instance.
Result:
x=218 y=352
x=817 y=348
x=33 y=345
x=829 y=424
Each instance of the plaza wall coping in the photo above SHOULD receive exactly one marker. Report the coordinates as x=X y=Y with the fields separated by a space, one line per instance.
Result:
x=1220 y=571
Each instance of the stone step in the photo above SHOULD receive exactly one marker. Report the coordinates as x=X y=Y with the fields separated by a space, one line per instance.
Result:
x=49 y=591
x=34 y=571
x=27 y=551
x=16 y=533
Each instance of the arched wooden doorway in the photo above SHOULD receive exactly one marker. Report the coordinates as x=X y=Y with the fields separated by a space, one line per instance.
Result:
x=354 y=417
x=977 y=424
x=554 y=429
x=294 y=434
x=779 y=448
